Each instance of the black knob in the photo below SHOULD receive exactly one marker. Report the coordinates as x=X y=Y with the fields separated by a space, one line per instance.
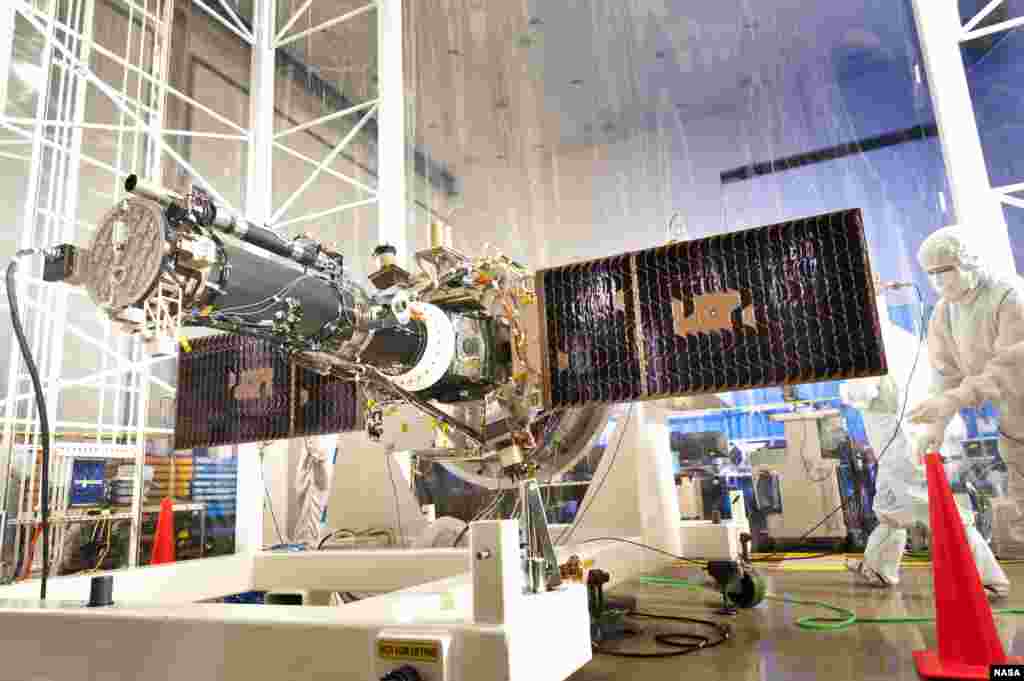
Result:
x=101 y=591
x=403 y=673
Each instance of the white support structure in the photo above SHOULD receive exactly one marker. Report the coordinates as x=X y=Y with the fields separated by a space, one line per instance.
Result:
x=281 y=42
x=633 y=490
x=975 y=203
x=6 y=49
x=52 y=216
x=391 y=189
x=259 y=197
x=230 y=642
x=258 y=194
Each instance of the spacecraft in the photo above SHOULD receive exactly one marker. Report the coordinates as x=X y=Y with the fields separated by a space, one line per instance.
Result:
x=502 y=360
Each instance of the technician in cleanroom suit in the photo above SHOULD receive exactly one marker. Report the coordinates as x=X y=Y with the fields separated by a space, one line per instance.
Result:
x=901 y=488
x=976 y=349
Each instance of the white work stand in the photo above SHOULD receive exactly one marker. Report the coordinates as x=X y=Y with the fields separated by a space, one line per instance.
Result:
x=808 y=482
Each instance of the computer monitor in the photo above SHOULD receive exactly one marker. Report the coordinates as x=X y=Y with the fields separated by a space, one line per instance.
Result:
x=695 y=447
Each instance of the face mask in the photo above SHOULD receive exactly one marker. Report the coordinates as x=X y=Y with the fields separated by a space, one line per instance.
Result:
x=953 y=284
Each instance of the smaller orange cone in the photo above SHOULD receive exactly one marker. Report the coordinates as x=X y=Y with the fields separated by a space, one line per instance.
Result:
x=163 y=540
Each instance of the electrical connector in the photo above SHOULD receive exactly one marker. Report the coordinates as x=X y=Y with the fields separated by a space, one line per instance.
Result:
x=61 y=264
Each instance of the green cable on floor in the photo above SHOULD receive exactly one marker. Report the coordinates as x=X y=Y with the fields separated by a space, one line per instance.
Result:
x=847 y=618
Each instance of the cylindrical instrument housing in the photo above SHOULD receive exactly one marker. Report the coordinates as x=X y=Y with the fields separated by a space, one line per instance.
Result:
x=258 y=286
x=236 y=277
x=303 y=252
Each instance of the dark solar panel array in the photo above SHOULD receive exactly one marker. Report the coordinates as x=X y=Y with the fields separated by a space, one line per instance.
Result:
x=236 y=389
x=782 y=304
x=325 y=404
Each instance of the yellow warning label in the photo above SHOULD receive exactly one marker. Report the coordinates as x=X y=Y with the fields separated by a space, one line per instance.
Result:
x=409 y=651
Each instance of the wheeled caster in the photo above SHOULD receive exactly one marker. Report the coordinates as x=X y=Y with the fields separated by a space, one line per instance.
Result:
x=747 y=591
x=741 y=587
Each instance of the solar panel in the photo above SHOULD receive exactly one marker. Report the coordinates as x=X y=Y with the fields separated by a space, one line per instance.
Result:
x=781 y=304
x=235 y=389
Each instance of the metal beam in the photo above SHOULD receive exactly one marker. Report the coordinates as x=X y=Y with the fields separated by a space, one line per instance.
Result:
x=121 y=61
x=87 y=73
x=6 y=49
x=327 y=24
x=330 y=171
x=259 y=193
x=328 y=160
x=974 y=203
x=391 y=186
x=326 y=119
x=1011 y=188
x=430 y=170
x=994 y=28
x=291 y=22
x=230 y=25
x=259 y=186
x=324 y=213
x=980 y=16
x=1012 y=201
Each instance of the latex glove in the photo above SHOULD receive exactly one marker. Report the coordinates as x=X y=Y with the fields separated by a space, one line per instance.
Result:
x=939 y=409
x=928 y=439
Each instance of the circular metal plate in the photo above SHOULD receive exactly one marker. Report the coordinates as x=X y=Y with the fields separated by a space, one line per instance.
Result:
x=438 y=354
x=124 y=274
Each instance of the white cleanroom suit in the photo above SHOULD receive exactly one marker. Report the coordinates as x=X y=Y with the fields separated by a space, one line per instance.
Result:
x=976 y=349
x=901 y=488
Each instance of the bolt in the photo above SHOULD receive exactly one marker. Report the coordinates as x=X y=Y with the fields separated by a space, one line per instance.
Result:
x=483 y=555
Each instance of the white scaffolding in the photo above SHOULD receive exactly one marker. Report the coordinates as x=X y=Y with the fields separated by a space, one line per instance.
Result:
x=975 y=202
x=50 y=142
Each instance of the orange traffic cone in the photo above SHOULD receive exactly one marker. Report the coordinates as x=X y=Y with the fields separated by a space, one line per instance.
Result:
x=163 y=539
x=966 y=631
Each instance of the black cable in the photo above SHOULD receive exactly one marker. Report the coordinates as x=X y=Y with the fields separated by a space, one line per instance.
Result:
x=331 y=535
x=568 y=532
x=671 y=639
x=770 y=559
x=913 y=368
x=44 y=419
x=692 y=561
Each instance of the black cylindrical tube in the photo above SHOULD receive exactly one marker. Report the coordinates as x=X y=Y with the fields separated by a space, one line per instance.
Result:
x=224 y=221
x=258 y=286
x=101 y=591
x=165 y=197
x=267 y=240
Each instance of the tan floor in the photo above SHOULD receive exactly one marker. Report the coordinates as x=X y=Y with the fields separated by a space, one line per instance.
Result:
x=766 y=645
